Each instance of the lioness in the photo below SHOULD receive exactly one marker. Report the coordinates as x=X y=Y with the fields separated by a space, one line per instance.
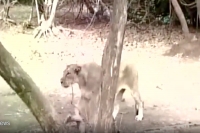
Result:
x=89 y=78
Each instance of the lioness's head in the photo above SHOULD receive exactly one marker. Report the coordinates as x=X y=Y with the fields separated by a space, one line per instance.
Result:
x=70 y=75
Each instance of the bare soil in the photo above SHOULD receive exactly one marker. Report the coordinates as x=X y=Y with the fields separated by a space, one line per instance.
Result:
x=169 y=85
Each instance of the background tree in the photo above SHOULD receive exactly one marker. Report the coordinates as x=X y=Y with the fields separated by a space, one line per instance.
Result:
x=148 y=12
x=4 y=13
x=180 y=16
x=46 y=19
x=198 y=9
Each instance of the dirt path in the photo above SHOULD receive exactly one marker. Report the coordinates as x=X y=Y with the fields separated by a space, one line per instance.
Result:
x=169 y=85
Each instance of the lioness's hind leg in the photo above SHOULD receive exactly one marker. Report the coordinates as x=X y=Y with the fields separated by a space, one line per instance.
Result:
x=138 y=106
x=115 y=111
x=118 y=99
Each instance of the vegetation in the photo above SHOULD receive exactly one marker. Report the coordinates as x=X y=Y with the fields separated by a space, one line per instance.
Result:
x=150 y=12
x=138 y=12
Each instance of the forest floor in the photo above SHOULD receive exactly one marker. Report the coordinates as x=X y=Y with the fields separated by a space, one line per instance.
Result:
x=169 y=85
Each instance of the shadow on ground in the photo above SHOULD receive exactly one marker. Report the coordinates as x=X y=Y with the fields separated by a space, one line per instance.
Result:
x=21 y=120
x=186 y=48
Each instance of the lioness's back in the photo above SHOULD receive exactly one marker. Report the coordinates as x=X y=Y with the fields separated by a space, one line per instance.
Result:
x=128 y=75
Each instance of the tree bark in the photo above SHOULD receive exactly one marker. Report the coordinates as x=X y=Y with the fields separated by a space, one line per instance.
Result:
x=180 y=16
x=29 y=93
x=89 y=6
x=198 y=10
x=110 y=65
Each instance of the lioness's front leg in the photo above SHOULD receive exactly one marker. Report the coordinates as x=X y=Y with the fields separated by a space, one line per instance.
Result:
x=78 y=119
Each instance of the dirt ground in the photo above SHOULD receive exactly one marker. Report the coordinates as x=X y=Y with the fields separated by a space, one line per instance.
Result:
x=169 y=85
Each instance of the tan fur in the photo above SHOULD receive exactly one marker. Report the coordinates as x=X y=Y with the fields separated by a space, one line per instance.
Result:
x=128 y=81
x=89 y=79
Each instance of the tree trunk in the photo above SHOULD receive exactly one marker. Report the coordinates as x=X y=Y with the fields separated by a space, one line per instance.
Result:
x=110 y=64
x=53 y=11
x=47 y=25
x=180 y=16
x=29 y=93
x=198 y=10
x=89 y=6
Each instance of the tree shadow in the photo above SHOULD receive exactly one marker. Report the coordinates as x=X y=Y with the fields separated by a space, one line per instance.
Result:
x=186 y=48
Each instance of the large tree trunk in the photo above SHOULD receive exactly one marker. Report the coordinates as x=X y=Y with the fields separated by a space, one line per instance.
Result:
x=29 y=93
x=110 y=64
x=180 y=16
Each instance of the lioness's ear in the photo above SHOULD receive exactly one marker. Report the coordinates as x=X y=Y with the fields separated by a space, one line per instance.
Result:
x=77 y=69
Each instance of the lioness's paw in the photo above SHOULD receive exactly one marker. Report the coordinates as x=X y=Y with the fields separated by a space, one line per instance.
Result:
x=139 y=117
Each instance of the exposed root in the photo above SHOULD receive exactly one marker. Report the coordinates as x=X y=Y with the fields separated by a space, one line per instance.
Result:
x=44 y=29
x=8 y=21
x=47 y=30
x=27 y=25
x=46 y=25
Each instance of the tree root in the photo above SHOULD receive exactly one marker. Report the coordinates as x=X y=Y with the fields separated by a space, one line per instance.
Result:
x=44 y=29
x=8 y=21
x=27 y=25
x=46 y=25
